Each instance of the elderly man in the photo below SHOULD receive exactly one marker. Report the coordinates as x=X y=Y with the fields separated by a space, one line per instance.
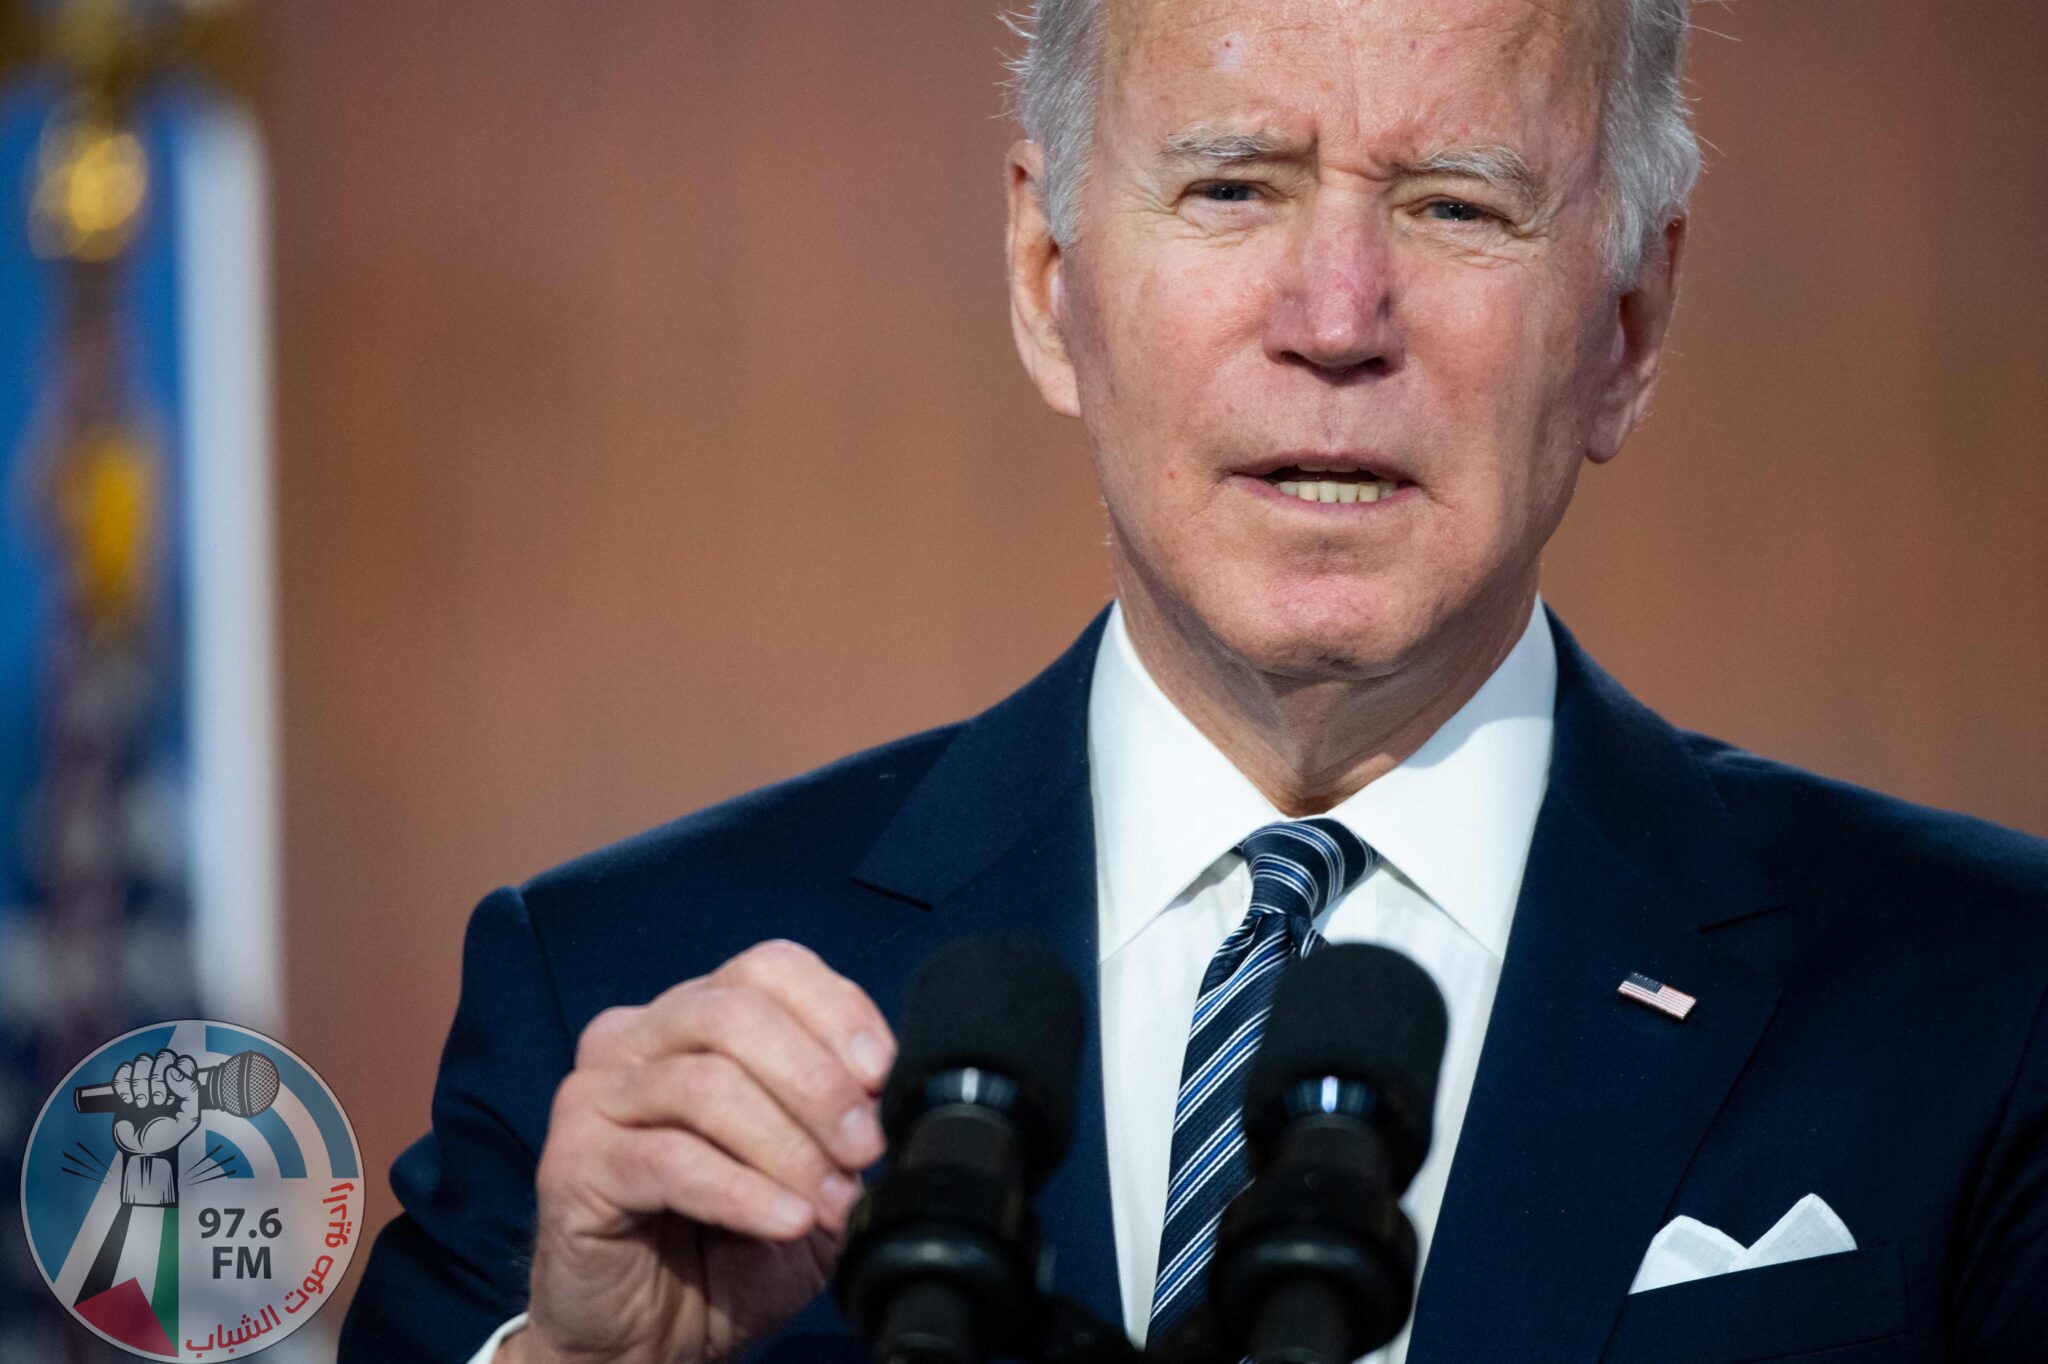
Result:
x=1345 y=292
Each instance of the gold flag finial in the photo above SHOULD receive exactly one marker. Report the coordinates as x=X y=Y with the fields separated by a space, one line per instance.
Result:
x=92 y=172
x=106 y=505
x=91 y=178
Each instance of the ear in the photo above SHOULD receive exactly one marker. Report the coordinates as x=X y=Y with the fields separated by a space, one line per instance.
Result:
x=1037 y=302
x=1642 y=316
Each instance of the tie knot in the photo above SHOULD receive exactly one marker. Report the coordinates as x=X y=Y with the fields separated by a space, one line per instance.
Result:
x=1300 y=866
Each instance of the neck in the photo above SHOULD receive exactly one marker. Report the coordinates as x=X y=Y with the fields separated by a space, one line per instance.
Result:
x=1309 y=744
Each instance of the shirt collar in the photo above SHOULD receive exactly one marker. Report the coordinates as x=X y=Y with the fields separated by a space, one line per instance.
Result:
x=1455 y=819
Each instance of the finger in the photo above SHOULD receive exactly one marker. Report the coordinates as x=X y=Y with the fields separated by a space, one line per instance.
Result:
x=835 y=1010
x=809 y=1081
x=122 y=1080
x=138 y=1079
x=160 y=1076
x=183 y=1077
x=647 y=1169
x=714 y=1097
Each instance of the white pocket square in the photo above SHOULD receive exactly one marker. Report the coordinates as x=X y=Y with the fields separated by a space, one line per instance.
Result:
x=1687 y=1249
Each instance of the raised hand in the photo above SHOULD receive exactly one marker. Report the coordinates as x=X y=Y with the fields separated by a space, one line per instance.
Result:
x=700 y=1163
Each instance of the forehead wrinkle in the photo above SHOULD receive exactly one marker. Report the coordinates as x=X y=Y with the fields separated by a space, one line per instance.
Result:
x=1189 y=24
x=1546 y=39
x=1578 y=34
x=1515 y=28
x=1536 y=20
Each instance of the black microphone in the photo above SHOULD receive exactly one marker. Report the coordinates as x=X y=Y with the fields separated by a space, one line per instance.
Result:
x=243 y=1085
x=941 y=1259
x=1315 y=1261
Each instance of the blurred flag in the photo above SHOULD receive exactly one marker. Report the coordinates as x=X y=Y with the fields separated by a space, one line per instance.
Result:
x=138 y=769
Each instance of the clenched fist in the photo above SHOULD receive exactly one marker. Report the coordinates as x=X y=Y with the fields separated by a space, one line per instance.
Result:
x=156 y=1102
x=700 y=1163
x=156 y=1106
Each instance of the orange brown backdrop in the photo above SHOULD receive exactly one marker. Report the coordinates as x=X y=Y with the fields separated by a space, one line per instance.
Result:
x=649 y=430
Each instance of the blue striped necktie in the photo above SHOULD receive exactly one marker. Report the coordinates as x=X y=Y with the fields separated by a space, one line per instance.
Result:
x=1298 y=869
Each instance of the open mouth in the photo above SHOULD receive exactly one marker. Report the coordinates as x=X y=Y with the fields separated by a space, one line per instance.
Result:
x=1320 y=483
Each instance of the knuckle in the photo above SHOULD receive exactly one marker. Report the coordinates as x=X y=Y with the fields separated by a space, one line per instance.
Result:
x=781 y=956
x=734 y=1015
x=707 y=1081
x=605 y=1034
x=573 y=1097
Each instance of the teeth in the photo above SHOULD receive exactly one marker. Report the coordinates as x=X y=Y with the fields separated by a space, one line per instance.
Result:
x=1325 y=490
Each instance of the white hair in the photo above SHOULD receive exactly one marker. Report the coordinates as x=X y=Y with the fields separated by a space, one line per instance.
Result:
x=1649 y=155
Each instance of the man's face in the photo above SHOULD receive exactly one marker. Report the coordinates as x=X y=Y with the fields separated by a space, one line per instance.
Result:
x=1341 y=242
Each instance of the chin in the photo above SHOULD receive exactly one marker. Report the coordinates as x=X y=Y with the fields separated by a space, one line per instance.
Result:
x=1320 y=629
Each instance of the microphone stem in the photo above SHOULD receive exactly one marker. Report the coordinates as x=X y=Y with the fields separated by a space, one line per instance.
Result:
x=1302 y=1322
x=930 y=1322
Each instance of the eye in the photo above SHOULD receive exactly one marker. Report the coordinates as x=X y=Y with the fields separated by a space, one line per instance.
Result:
x=1228 y=191
x=1457 y=211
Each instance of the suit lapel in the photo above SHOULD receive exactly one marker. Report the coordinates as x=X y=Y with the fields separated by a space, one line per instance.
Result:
x=999 y=838
x=1587 y=1107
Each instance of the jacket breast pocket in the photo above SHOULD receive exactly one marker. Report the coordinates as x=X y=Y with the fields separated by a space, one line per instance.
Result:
x=1770 y=1313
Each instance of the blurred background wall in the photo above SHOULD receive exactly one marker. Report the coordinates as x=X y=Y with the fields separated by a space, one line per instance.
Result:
x=649 y=429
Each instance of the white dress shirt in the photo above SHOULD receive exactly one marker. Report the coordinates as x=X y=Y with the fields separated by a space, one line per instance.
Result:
x=1452 y=826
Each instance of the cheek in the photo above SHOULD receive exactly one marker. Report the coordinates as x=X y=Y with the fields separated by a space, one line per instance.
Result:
x=1177 y=320
x=1508 y=365
x=1466 y=361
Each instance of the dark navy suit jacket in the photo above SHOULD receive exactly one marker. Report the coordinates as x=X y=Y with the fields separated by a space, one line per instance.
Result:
x=1870 y=975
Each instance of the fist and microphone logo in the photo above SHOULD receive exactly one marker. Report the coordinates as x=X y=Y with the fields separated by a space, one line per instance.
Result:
x=192 y=1190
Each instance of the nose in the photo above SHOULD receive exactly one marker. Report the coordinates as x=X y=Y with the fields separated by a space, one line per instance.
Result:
x=1334 y=308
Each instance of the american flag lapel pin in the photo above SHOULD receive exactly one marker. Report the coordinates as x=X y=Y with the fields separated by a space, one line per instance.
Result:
x=1657 y=995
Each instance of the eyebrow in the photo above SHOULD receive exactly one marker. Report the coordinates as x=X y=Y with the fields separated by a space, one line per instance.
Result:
x=1502 y=167
x=1215 y=147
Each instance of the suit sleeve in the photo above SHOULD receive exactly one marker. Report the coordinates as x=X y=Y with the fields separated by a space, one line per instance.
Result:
x=453 y=1265
x=2001 y=1312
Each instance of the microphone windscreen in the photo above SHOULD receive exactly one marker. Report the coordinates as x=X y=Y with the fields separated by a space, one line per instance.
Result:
x=245 y=1084
x=1356 y=1012
x=1006 y=1005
